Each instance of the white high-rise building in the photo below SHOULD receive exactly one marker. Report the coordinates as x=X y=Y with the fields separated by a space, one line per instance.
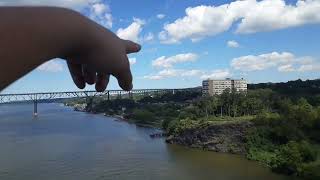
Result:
x=216 y=87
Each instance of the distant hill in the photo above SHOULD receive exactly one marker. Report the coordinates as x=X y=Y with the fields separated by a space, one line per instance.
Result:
x=309 y=89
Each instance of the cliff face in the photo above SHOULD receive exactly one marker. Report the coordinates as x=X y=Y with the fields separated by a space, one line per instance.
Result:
x=228 y=137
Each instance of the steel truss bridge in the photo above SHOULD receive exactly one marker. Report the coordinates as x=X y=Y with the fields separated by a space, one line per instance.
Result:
x=89 y=95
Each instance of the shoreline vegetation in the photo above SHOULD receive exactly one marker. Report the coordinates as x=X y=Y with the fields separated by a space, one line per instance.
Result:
x=276 y=124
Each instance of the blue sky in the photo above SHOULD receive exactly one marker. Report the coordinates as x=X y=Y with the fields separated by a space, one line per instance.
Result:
x=184 y=42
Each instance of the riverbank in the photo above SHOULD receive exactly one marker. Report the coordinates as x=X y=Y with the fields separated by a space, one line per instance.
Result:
x=281 y=134
x=219 y=137
x=94 y=146
x=226 y=136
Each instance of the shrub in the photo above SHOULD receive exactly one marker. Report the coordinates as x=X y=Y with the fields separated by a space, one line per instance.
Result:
x=290 y=157
x=143 y=116
x=310 y=171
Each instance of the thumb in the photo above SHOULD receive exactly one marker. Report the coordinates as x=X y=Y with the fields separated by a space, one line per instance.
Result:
x=131 y=47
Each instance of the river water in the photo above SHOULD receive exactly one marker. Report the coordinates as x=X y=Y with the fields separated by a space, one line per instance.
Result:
x=63 y=144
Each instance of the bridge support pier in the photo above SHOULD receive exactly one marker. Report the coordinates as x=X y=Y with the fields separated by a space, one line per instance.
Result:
x=108 y=95
x=35 y=108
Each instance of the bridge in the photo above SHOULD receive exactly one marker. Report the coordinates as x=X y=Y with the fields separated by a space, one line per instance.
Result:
x=89 y=95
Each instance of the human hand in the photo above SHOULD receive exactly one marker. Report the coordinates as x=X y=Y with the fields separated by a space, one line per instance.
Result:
x=93 y=53
x=99 y=54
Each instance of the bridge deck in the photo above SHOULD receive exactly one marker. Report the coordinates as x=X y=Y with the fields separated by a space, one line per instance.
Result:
x=7 y=98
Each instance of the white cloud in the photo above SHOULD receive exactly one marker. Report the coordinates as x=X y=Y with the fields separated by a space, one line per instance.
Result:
x=51 y=66
x=309 y=67
x=286 y=68
x=167 y=62
x=233 y=44
x=270 y=15
x=253 y=16
x=153 y=77
x=101 y=13
x=132 y=61
x=199 y=22
x=161 y=16
x=285 y=62
x=193 y=72
x=148 y=37
x=133 y=31
x=261 y=62
x=98 y=10
x=217 y=74
x=168 y=73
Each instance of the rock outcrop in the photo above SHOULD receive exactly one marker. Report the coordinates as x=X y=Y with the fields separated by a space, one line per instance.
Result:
x=227 y=137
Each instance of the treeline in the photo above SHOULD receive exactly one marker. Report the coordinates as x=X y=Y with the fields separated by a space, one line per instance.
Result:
x=286 y=118
x=308 y=89
x=288 y=141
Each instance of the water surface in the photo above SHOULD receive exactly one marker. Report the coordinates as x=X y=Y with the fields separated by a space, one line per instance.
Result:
x=63 y=144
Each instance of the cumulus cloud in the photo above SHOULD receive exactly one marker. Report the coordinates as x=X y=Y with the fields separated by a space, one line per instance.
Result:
x=98 y=10
x=270 y=15
x=233 y=44
x=309 y=67
x=153 y=77
x=148 y=37
x=161 y=16
x=253 y=16
x=167 y=62
x=168 y=73
x=193 y=72
x=285 y=62
x=133 y=31
x=261 y=62
x=132 y=61
x=101 y=13
x=217 y=74
x=52 y=66
x=286 y=68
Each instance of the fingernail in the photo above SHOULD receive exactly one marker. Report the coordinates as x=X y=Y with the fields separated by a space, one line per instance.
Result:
x=138 y=46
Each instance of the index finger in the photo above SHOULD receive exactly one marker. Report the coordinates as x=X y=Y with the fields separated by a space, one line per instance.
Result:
x=124 y=76
x=131 y=47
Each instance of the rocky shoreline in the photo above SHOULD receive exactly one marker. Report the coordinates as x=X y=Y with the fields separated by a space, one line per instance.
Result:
x=226 y=138
x=222 y=137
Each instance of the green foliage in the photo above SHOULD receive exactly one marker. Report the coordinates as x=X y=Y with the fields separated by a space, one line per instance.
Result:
x=286 y=118
x=142 y=116
x=310 y=170
x=177 y=127
x=282 y=140
x=290 y=157
x=176 y=96
x=116 y=105
x=265 y=157
x=294 y=90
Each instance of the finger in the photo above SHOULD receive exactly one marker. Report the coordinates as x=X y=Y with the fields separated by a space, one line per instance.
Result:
x=131 y=47
x=76 y=74
x=102 y=82
x=89 y=75
x=124 y=76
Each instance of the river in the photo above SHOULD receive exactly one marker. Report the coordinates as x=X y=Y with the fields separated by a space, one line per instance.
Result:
x=64 y=144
